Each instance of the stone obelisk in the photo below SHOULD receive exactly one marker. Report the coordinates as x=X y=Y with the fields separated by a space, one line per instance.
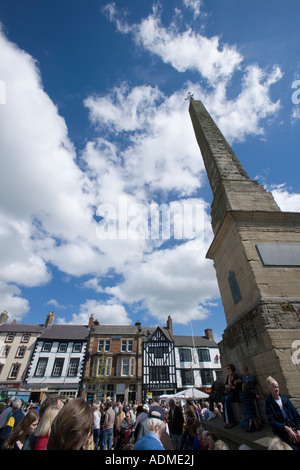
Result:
x=256 y=255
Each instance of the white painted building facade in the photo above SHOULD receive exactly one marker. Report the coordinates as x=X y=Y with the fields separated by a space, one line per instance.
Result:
x=197 y=361
x=58 y=360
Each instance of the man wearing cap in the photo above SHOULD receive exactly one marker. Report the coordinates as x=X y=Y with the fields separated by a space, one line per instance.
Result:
x=155 y=426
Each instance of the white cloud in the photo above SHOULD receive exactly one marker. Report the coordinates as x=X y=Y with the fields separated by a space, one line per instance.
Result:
x=177 y=282
x=105 y=313
x=12 y=302
x=194 y=5
x=288 y=201
x=55 y=303
x=183 y=50
x=48 y=203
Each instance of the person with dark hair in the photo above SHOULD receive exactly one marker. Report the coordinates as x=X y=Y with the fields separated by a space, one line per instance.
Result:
x=216 y=394
x=231 y=395
x=108 y=426
x=26 y=426
x=175 y=421
x=72 y=428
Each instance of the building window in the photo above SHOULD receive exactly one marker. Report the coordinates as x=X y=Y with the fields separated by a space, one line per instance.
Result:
x=5 y=351
x=102 y=366
x=187 y=377
x=25 y=338
x=158 y=351
x=207 y=376
x=159 y=374
x=185 y=355
x=103 y=345
x=77 y=347
x=62 y=347
x=58 y=367
x=47 y=347
x=127 y=345
x=203 y=355
x=13 y=374
x=41 y=367
x=125 y=366
x=73 y=367
x=21 y=351
x=9 y=338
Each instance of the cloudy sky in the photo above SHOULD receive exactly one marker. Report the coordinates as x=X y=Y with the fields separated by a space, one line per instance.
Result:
x=97 y=147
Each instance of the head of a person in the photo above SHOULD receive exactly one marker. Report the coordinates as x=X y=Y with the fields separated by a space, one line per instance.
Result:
x=155 y=399
x=221 y=445
x=199 y=431
x=278 y=444
x=204 y=436
x=156 y=422
x=189 y=421
x=155 y=425
x=273 y=387
x=72 y=427
x=139 y=409
x=127 y=416
x=51 y=401
x=210 y=440
x=44 y=426
x=245 y=369
x=231 y=368
x=16 y=405
x=171 y=403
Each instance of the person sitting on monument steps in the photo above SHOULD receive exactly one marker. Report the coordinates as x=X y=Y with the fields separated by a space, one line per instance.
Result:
x=282 y=415
x=247 y=396
x=231 y=395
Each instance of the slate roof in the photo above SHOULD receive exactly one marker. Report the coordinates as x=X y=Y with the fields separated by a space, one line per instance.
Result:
x=20 y=328
x=152 y=330
x=198 y=341
x=66 y=332
x=115 y=329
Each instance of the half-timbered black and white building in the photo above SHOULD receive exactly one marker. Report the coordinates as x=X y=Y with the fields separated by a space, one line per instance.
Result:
x=159 y=372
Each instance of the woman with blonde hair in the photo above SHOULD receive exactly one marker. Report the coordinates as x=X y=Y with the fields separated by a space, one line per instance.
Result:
x=72 y=428
x=283 y=417
x=25 y=427
x=44 y=428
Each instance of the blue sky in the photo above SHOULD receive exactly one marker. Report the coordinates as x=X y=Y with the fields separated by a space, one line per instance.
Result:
x=93 y=115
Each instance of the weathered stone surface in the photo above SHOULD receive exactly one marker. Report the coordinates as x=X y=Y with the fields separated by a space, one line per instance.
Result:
x=263 y=322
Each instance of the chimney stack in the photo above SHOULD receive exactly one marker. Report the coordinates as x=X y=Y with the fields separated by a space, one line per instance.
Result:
x=50 y=319
x=209 y=334
x=170 y=325
x=91 y=321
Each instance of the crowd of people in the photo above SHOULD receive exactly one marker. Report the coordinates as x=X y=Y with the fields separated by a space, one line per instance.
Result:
x=78 y=425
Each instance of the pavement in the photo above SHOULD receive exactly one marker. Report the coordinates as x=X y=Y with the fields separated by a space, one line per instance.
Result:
x=236 y=436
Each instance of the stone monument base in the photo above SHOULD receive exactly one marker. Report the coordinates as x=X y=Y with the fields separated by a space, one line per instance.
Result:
x=267 y=339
